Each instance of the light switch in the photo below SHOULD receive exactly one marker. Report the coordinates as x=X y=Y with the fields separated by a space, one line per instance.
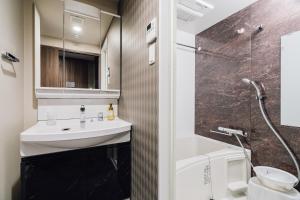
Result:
x=151 y=53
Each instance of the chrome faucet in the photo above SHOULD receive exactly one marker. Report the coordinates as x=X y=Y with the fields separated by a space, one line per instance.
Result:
x=82 y=114
x=100 y=116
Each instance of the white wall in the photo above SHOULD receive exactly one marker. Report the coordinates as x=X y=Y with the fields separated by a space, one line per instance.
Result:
x=11 y=97
x=185 y=85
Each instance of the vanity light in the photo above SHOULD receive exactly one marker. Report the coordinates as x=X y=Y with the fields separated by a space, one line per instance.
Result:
x=205 y=4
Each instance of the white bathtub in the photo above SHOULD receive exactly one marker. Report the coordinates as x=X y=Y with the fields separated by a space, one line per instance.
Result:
x=207 y=168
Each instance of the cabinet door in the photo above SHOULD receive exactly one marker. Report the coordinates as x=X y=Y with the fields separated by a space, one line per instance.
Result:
x=124 y=168
x=102 y=177
x=57 y=176
x=87 y=174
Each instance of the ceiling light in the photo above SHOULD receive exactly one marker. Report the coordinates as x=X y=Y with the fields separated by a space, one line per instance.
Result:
x=205 y=4
x=189 y=10
x=77 y=29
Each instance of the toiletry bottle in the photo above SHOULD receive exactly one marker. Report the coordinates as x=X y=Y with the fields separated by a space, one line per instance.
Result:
x=111 y=114
x=82 y=114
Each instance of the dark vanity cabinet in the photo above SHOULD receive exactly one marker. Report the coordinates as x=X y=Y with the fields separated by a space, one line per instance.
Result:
x=100 y=173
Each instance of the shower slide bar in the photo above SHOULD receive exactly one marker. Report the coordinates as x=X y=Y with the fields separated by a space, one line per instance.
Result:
x=199 y=49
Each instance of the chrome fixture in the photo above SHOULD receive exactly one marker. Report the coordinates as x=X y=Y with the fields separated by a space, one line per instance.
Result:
x=100 y=116
x=10 y=57
x=191 y=47
x=229 y=132
x=260 y=28
x=236 y=133
x=260 y=99
x=82 y=114
x=221 y=133
x=256 y=28
x=258 y=89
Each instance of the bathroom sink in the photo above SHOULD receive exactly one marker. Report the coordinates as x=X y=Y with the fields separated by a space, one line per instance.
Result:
x=71 y=134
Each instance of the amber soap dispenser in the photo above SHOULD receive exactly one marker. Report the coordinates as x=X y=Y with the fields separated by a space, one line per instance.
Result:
x=111 y=114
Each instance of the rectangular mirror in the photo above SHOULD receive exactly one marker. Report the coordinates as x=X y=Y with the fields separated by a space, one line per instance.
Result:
x=110 y=51
x=290 y=81
x=81 y=45
x=49 y=43
x=76 y=46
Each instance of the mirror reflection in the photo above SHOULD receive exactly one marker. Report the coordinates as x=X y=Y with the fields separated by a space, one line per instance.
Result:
x=110 y=52
x=79 y=46
x=51 y=42
x=82 y=45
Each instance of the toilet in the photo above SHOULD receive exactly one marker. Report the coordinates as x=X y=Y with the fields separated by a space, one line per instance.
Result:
x=256 y=191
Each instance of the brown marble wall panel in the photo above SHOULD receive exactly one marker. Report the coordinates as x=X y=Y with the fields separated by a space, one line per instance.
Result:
x=139 y=96
x=223 y=100
x=279 y=18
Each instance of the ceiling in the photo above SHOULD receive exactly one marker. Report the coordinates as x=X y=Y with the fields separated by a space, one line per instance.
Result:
x=93 y=31
x=222 y=9
x=107 y=5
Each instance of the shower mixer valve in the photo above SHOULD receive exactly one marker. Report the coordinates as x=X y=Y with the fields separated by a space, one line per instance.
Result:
x=229 y=132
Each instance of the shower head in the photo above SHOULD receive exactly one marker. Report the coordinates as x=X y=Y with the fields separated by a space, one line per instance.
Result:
x=258 y=89
x=245 y=80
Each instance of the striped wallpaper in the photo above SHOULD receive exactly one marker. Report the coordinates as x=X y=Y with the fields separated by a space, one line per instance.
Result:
x=139 y=96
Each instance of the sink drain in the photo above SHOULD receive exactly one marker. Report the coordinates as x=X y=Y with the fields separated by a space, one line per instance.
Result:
x=65 y=129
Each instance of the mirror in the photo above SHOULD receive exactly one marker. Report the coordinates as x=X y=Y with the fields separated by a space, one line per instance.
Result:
x=290 y=81
x=81 y=45
x=76 y=46
x=48 y=43
x=110 y=51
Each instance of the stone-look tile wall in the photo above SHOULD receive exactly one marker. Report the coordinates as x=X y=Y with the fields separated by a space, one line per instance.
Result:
x=139 y=96
x=223 y=100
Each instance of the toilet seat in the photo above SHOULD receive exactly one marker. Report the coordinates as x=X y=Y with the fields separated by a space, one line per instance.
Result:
x=256 y=191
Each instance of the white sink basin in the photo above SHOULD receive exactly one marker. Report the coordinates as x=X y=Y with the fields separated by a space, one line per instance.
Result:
x=71 y=134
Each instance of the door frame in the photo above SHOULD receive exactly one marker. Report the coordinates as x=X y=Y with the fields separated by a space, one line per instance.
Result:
x=166 y=130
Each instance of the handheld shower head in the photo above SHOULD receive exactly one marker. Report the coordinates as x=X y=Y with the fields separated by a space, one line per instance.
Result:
x=260 y=97
x=258 y=89
x=245 y=80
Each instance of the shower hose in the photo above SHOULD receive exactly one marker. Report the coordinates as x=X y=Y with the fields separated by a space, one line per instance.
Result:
x=267 y=120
